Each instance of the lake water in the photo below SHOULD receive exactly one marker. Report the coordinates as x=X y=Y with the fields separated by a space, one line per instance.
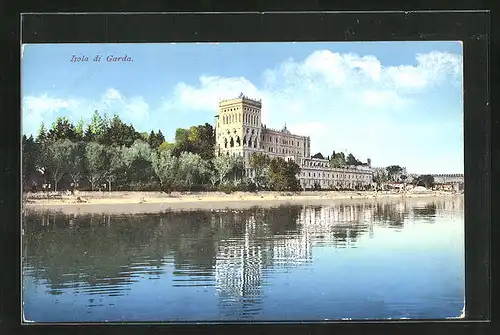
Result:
x=358 y=261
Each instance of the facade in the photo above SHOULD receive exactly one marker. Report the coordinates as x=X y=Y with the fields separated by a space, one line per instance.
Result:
x=318 y=171
x=239 y=132
x=448 y=178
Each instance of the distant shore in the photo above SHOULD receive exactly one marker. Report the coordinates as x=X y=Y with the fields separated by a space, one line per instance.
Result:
x=133 y=202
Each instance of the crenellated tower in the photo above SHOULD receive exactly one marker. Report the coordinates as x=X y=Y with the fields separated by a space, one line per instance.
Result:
x=238 y=127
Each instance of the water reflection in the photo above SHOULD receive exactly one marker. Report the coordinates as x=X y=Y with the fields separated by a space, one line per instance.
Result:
x=234 y=252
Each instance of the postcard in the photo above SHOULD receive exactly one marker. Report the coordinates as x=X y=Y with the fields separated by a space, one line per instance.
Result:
x=242 y=181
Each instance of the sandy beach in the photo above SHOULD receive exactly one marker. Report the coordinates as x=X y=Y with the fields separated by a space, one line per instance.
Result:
x=133 y=202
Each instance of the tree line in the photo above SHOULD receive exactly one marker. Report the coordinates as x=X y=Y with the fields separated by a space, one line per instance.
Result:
x=108 y=153
x=394 y=173
x=339 y=159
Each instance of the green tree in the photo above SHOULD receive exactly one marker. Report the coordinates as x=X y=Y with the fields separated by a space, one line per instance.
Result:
x=393 y=172
x=62 y=129
x=181 y=135
x=259 y=163
x=30 y=156
x=76 y=163
x=283 y=175
x=96 y=163
x=352 y=161
x=380 y=178
x=42 y=133
x=120 y=134
x=337 y=160
x=58 y=158
x=426 y=181
x=115 y=165
x=319 y=155
x=144 y=137
x=155 y=139
x=137 y=162
x=238 y=168
x=228 y=168
x=193 y=169
x=79 y=130
x=182 y=142
x=166 y=167
x=202 y=140
x=88 y=135
x=166 y=146
x=98 y=126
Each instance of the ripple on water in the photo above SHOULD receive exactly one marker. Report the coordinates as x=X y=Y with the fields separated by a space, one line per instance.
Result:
x=250 y=261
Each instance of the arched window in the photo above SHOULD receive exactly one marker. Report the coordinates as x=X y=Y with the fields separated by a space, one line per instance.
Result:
x=238 y=142
x=250 y=142
x=225 y=143
x=231 y=142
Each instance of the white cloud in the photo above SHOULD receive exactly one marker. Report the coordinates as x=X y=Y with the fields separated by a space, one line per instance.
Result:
x=38 y=109
x=308 y=128
x=382 y=98
x=112 y=94
x=210 y=91
x=343 y=101
x=431 y=69
x=134 y=109
x=44 y=108
x=339 y=69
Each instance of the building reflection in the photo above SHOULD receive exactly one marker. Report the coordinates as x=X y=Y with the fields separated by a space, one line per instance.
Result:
x=241 y=264
x=238 y=252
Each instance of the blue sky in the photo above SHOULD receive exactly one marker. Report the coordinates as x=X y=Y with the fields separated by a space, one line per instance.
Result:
x=394 y=102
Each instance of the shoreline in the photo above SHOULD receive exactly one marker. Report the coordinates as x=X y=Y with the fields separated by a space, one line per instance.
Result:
x=144 y=202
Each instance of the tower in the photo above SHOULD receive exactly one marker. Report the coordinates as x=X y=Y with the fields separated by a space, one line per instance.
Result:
x=238 y=127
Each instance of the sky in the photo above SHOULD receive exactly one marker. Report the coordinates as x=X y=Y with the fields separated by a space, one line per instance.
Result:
x=393 y=102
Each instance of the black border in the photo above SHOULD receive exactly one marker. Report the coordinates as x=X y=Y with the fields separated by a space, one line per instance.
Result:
x=470 y=27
